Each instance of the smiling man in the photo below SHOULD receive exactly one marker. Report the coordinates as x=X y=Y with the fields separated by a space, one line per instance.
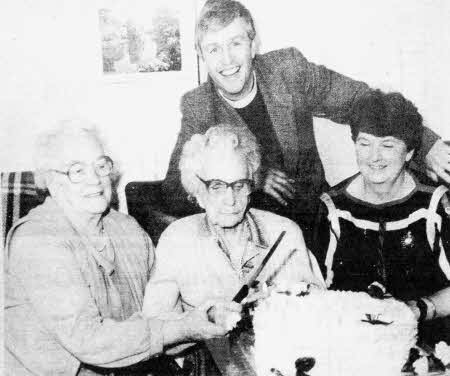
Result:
x=276 y=96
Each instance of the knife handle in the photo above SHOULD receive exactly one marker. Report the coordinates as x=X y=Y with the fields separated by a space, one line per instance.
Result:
x=242 y=293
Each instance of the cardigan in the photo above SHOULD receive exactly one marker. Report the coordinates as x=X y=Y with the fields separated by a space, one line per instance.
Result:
x=58 y=313
x=190 y=255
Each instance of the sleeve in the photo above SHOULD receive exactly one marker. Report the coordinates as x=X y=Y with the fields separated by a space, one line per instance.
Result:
x=331 y=95
x=149 y=248
x=167 y=256
x=321 y=236
x=296 y=263
x=60 y=297
x=444 y=212
x=175 y=196
x=162 y=294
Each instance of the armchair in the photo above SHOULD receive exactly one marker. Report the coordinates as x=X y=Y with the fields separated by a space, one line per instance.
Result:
x=145 y=203
x=19 y=195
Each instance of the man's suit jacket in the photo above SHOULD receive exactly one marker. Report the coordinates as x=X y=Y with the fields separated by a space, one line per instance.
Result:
x=294 y=90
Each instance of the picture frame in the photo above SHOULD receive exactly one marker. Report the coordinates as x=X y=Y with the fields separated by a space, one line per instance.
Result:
x=143 y=39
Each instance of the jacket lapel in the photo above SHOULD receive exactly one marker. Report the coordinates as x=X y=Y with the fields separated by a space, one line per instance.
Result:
x=280 y=108
x=281 y=111
x=223 y=112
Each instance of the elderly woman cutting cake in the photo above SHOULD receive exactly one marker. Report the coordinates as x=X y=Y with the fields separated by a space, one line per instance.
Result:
x=212 y=254
x=76 y=272
x=382 y=231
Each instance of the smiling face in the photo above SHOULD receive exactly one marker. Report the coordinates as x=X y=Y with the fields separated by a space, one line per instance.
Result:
x=381 y=159
x=227 y=209
x=228 y=53
x=91 y=196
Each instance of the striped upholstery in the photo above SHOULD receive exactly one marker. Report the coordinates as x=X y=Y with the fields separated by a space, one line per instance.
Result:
x=18 y=196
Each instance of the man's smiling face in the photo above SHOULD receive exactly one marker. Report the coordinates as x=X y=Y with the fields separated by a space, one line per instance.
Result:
x=228 y=53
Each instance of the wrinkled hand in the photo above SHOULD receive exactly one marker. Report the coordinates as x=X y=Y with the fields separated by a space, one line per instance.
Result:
x=438 y=161
x=225 y=314
x=412 y=304
x=277 y=184
x=199 y=328
x=261 y=291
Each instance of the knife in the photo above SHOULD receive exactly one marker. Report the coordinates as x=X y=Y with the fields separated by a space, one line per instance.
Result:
x=243 y=292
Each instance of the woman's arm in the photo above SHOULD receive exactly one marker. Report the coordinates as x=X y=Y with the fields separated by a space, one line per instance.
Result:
x=438 y=304
x=321 y=237
x=51 y=278
x=55 y=287
x=433 y=306
x=441 y=301
x=293 y=262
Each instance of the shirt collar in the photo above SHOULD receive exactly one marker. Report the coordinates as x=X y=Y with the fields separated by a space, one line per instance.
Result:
x=255 y=234
x=243 y=102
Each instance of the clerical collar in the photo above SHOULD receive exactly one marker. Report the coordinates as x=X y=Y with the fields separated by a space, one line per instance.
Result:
x=243 y=102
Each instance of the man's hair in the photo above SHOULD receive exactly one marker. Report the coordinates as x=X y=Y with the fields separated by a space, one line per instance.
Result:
x=385 y=115
x=217 y=14
x=221 y=137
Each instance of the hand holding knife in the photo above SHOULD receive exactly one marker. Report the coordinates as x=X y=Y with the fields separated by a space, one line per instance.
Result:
x=244 y=290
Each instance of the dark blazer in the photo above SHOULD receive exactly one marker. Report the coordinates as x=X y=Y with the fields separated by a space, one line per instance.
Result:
x=294 y=90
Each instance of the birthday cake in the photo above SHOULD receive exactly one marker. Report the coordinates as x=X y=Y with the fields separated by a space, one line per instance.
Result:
x=332 y=333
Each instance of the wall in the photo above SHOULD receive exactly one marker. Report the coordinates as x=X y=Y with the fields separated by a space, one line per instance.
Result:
x=50 y=69
x=390 y=44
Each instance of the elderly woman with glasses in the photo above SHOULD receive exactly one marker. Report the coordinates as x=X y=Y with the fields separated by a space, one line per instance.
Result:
x=212 y=254
x=383 y=232
x=76 y=271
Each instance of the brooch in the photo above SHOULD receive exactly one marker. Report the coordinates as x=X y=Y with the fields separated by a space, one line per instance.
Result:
x=247 y=267
x=407 y=240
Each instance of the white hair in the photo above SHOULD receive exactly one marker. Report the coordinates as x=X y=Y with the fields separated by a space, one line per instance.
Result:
x=226 y=137
x=49 y=146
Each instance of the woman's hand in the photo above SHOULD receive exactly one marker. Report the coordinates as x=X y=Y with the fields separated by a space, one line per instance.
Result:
x=412 y=304
x=258 y=292
x=199 y=327
x=193 y=325
x=225 y=314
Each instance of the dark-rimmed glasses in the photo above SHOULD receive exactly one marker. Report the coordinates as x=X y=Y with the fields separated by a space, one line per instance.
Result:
x=219 y=187
x=78 y=171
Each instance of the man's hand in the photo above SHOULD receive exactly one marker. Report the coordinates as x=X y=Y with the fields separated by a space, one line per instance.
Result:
x=438 y=161
x=277 y=184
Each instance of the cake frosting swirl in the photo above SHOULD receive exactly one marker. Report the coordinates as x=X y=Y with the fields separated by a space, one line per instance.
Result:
x=346 y=333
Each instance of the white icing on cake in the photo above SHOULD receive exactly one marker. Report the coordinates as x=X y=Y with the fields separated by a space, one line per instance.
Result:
x=327 y=326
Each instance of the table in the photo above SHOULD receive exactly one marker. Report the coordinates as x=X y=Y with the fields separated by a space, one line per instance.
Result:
x=232 y=354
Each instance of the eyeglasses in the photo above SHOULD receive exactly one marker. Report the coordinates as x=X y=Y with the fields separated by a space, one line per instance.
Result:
x=219 y=187
x=78 y=171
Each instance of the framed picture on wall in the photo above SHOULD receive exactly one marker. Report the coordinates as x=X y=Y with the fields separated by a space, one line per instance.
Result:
x=141 y=37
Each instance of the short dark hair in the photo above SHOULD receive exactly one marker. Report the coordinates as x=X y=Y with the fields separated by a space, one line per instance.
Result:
x=388 y=114
x=221 y=13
